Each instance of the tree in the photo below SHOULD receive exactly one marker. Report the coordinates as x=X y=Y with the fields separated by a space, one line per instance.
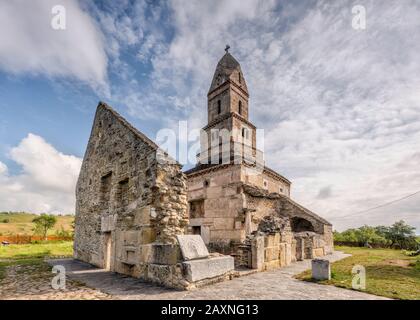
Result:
x=43 y=223
x=368 y=234
x=402 y=235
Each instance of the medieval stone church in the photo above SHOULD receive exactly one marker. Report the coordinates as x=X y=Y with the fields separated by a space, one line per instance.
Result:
x=132 y=209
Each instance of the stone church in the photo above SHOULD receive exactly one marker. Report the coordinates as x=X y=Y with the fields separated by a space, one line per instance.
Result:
x=233 y=196
x=141 y=216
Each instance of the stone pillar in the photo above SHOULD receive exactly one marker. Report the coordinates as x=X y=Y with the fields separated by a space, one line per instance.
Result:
x=288 y=254
x=248 y=222
x=300 y=249
x=257 y=252
x=321 y=269
x=205 y=234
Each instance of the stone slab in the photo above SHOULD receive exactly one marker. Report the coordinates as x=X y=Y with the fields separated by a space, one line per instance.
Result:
x=196 y=270
x=321 y=269
x=192 y=247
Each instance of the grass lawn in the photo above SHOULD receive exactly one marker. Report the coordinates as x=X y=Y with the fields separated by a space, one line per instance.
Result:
x=21 y=223
x=389 y=272
x=32 y=253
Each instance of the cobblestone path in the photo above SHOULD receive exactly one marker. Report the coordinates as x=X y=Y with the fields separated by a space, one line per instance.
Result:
x=87 y=282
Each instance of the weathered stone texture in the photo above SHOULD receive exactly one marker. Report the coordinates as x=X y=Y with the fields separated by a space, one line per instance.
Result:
x=192 y=247
x=126 y=196
x=208 y=268
x=321 y=269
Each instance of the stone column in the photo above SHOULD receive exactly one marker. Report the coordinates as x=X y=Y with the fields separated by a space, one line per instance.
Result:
x=257 y=252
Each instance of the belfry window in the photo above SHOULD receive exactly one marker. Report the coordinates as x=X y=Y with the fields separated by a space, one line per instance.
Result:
x=239 y=77
x=245 y=133
x=219 y=106
x=240 y=107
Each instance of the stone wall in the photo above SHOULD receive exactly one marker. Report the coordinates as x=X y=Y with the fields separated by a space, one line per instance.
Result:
x=125 y=198
x=222 y=203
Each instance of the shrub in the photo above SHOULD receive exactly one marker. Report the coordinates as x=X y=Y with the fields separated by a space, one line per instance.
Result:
x=64 y=233
x=6 y=220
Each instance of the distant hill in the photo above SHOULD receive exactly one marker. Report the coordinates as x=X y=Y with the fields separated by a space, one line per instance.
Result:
x=12 y=223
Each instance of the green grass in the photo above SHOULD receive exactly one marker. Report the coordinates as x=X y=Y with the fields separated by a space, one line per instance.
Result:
x=33 y=254
x=389 y=273
x=21 y=223
x=38 y=250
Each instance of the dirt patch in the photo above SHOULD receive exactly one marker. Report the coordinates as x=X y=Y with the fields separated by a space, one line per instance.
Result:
x=397 y=263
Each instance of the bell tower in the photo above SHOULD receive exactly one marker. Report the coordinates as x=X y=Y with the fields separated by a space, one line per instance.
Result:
x=228 y=113
x=228 y=92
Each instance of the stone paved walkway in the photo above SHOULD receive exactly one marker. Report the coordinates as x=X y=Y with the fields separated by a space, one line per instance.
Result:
x=33 y=282
x=276 y=284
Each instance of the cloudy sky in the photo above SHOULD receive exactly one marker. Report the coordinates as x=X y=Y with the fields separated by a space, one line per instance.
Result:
x=340 y=107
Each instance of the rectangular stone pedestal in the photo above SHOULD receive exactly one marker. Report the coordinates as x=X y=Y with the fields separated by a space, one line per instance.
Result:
x=321 y=269
x=211 y=267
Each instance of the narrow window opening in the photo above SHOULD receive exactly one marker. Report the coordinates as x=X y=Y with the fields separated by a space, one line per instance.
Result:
x=265 y=183
x=123 y=187
x=196 y=230
x=240 y=107
x=219 y=106
x=239 y=77
x=105 y=190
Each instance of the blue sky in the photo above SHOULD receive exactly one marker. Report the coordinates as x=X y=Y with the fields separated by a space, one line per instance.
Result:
x=340 y=107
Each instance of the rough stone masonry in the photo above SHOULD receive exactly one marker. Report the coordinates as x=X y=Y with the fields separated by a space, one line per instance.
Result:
x=130 y=207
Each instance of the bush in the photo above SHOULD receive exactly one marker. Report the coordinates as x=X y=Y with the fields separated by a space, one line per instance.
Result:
x=6 y=220
x=64 y=233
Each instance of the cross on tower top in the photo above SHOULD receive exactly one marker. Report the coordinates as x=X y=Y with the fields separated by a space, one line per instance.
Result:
x=227 y=48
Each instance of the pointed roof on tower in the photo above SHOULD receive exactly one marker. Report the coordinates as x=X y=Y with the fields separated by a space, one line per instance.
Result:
x=228 y=69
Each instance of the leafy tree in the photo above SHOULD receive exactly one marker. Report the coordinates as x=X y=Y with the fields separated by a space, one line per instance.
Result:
x=368 y=234
x=43 y=223
x=350 y=235
x=402 y=235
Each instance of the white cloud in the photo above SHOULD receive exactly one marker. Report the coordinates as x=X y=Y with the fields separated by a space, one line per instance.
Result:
x=3 y=168
x=30 y=45
x=47 y=181
x=340 y=107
